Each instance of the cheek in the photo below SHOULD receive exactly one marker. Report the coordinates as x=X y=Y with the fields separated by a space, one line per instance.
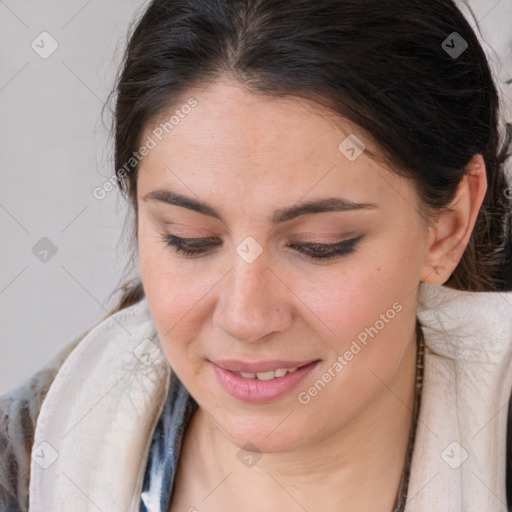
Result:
x=175 y=296
x=351 y=301
x=367 y=316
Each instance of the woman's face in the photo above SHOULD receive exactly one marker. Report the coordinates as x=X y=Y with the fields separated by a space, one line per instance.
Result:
x=251 y=299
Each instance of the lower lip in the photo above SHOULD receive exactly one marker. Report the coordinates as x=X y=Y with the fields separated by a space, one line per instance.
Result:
x=258 y=391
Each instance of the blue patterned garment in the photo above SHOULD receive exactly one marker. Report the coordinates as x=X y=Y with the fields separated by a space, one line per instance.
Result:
x=166 y=447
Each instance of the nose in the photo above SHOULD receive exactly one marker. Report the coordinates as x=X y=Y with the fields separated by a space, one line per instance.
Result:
x=252 y=301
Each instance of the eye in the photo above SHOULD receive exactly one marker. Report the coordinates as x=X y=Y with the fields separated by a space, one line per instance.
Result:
x=191 y=247
x=326 y=251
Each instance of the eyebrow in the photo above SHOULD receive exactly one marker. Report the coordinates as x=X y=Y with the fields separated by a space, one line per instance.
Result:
x=331 y=204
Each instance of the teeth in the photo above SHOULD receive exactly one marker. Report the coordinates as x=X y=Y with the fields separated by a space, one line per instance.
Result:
x=266 y=375
x=280 y=372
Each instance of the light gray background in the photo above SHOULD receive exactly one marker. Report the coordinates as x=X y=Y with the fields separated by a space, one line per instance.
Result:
x=54 y=150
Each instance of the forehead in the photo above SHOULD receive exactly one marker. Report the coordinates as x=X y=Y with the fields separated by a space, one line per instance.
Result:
x=228 y=121
x=233 y=141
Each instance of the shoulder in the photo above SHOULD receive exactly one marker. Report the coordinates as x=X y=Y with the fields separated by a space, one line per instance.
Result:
x=19 y=409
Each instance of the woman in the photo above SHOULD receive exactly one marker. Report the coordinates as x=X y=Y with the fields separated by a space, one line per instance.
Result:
x=323 y=319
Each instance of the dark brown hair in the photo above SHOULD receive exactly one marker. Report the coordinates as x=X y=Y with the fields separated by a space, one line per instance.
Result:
x=381 y=64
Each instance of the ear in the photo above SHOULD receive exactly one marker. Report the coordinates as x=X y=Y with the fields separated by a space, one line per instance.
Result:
x=451 y=230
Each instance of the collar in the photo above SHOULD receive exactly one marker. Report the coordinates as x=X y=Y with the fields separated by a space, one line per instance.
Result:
x=96 y=425
x=459 y=458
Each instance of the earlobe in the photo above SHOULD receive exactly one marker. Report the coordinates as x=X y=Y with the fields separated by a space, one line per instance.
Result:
x=450 y=232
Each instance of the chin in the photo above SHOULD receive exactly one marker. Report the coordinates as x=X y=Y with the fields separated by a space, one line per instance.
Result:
x=266 y=435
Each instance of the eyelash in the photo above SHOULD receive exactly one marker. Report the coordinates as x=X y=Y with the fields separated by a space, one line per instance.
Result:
x=339 y=249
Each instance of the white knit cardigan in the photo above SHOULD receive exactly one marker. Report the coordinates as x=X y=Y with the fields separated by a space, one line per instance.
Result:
x=96 y=423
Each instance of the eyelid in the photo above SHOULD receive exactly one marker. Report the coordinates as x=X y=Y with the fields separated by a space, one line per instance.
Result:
x=337 y=239
x=199 y=246
x=211 y=240
x=197 y=241
x=313 y=239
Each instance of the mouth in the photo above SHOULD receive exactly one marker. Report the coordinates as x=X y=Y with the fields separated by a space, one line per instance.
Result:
x=267 y=381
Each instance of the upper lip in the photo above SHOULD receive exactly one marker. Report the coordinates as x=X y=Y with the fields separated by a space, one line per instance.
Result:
x=258 y=367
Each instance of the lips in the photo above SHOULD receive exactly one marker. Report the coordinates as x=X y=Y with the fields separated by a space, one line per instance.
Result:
x=264 y=386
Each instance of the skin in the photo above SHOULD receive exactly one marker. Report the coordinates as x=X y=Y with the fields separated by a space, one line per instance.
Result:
x=247 y=156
